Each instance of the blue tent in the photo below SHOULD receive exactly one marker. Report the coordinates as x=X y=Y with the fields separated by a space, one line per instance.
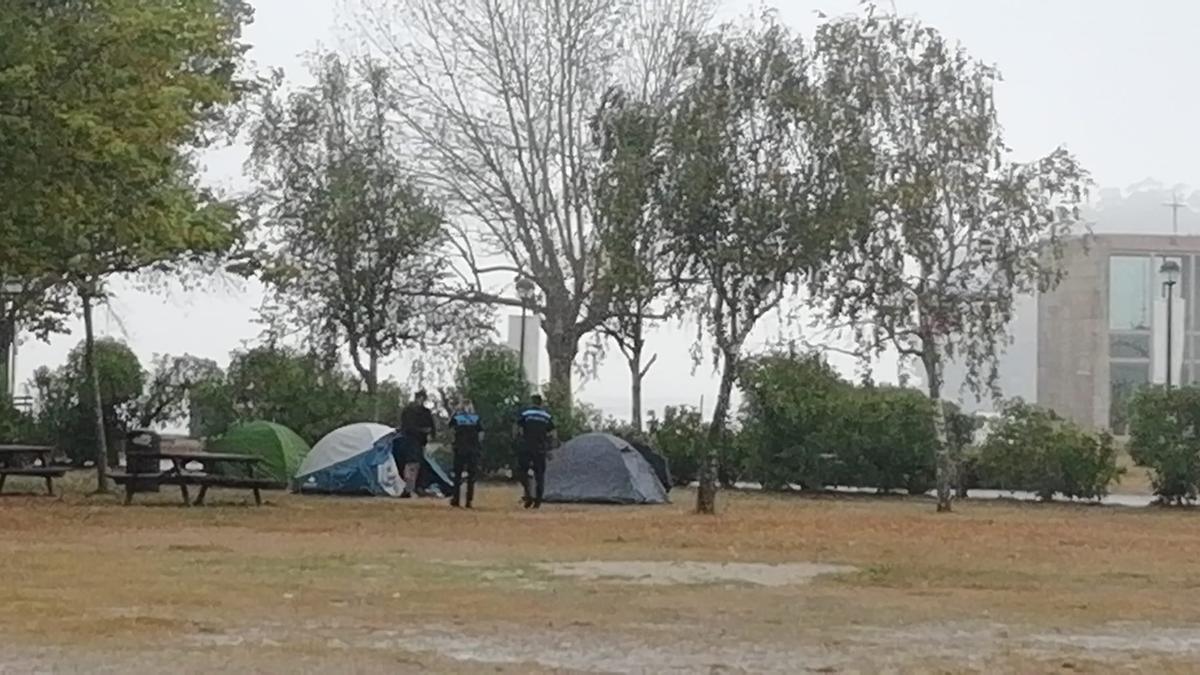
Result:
x=356 y=459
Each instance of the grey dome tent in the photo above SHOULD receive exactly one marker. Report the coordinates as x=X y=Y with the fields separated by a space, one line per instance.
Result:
x=662 y=468
x=602 y=469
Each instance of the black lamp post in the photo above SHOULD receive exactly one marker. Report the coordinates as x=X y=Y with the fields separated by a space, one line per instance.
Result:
x=1170 y=274
x=525 y=291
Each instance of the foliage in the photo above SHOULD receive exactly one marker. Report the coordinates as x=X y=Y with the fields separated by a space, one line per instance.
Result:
x=123 y=92
x=1165 y=437
x=788 y=403
x=291 y=388
x=65 y=414
x=750 y=182
x=630 y=168
x=804 y=425
x=357 y=262
x=491 y=377
x=948 y=229
x=1036 y=450
x=18 y=426
x=571 y=418
x=681 y=436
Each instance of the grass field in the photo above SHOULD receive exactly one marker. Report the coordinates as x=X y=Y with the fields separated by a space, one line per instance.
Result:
x=310 y=584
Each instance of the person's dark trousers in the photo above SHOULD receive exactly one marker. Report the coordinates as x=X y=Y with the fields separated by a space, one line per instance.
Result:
x=535 y=461
x=465 y=462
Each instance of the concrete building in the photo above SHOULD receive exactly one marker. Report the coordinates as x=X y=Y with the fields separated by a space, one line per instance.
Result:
x=1103 y=332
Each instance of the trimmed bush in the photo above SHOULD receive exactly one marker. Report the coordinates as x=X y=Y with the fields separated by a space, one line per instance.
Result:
x=1164 y=434
x=804 y=425
x=1035 y=450
x=680 y=436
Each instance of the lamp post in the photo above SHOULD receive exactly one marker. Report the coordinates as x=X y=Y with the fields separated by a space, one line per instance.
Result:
x=1170 y=274
x=525 y=291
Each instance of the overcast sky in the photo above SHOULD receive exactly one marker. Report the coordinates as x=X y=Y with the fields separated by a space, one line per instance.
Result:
x=1114 y=81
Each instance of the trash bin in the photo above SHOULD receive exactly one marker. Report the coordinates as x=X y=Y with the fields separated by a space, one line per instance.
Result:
x=138 y=444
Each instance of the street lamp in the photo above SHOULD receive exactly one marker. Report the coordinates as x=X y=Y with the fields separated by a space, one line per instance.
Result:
x=525 y=291
x=1170 y=275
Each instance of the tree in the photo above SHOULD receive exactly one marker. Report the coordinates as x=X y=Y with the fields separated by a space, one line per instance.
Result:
x=499 y=95
x=358 y=260
x=121 y=92
x=632 y=243
x=950 y=230
x=66 y=410
x=169 y=387
x=295 y=389
x=492 y=378
x=750 y=181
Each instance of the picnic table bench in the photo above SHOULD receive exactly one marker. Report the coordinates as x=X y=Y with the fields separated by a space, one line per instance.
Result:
x=179 y=474
x=14 y=462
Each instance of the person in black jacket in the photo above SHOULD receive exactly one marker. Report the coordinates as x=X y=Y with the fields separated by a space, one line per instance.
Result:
x=468 y=436
x=535 y=433
x=416 y=426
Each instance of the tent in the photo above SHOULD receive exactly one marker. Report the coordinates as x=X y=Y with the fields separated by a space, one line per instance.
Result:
x=435 y=470
x=662 y=468
x=355 y=459
x=602 y=468
x=282 y=451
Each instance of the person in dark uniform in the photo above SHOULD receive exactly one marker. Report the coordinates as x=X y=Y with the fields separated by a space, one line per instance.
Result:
x=416 y=426
x=468 y=435
x=535 y=433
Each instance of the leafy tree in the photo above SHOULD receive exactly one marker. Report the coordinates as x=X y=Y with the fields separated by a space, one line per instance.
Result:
x=750 y=180
x=949 y=230
x=121 y=92
x=358 y=248
x=628 y=174
x=169 y=387
x=66 y=413
x=491 y=377
x=499 y=97
x=292 y=388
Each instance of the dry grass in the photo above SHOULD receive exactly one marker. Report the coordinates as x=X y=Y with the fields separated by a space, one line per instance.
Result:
x=304 y=581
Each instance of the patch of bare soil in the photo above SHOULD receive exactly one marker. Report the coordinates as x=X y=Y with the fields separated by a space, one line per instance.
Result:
x=684 y=572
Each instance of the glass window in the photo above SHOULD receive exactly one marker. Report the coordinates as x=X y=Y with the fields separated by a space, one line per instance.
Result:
x=1125 y=379
x=1129 y=345
x=1129 y=293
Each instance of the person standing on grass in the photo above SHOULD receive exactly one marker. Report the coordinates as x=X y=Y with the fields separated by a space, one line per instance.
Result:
x=535 y=432
x=468 y=436
x=416 y=426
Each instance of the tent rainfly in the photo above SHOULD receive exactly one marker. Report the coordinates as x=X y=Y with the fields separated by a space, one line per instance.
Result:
x=603 y=469
x=358 y=459
x=281 y=449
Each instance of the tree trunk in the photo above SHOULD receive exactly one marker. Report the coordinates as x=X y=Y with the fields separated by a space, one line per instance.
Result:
x=945 y=462
x=373 y=384
x=635 y=389
x=93 y=375
x=562 y=349
x=706 y=495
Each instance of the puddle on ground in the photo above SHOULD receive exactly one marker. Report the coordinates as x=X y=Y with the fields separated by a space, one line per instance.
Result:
x=682 y=573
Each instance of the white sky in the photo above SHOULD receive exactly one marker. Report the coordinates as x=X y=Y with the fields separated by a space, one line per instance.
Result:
x=1114 y=81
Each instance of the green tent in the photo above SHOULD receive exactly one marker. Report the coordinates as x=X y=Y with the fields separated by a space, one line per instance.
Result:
x=281 y=449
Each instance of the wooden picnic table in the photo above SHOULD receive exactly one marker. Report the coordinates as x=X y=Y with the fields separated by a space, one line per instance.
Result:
x=12 y=464
x=179 y=474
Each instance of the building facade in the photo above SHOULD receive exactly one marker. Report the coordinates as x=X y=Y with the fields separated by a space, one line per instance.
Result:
x=1103 y=333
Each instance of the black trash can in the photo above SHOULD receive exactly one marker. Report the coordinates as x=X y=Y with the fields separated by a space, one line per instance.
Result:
x=138 y=444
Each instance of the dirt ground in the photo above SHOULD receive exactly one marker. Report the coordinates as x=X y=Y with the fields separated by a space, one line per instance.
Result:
x=772 y=585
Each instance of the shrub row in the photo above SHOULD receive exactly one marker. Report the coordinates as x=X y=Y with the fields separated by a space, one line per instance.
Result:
x=801 y=424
